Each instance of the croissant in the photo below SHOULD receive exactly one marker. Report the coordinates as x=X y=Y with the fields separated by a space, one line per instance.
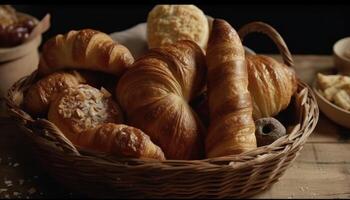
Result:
x=89 y=118
x=231 y=129
x=120 y=140
x=84 y=49
x=40 y=94
x=271 y=83
x=155 y=93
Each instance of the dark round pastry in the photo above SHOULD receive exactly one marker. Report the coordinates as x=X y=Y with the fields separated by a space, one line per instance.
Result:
x=268 y=130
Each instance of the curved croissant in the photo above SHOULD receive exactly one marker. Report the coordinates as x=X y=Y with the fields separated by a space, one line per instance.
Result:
x=155 y=93
x=271 y=83
x=231 y=129
x=84 y=49
x=91 y=119
x=120 y=140
x=43 y=92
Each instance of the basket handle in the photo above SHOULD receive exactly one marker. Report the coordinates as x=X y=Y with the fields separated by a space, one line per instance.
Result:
x=268 y=30
x=50 y=132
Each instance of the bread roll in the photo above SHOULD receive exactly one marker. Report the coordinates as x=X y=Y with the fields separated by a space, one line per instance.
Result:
x=167 y=24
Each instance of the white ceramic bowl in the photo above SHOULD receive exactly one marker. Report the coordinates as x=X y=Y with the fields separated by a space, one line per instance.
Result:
x=335 y=113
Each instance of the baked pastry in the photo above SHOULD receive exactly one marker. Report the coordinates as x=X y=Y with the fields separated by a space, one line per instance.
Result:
x=155 y=93
x=84 y=49
x=342 y=98
x=335 y=88
x=327 y=81
x=167 y=24
x=120 y=140
x=271 y=83
x=232 y=129
x=39 y=95
x=90 y=119
x=82 y=108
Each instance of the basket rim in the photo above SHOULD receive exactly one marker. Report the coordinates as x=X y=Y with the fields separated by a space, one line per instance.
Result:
x=277 y=149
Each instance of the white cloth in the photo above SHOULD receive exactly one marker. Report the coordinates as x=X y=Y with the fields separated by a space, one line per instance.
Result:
x=135 y=39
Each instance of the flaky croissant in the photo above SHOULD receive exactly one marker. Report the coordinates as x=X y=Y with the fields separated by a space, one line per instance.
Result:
x=271 y=83
x=40 y=94
x=232 y=128
x=84 y=49
x=155 y=93
x=120 y=140
x=90 y=118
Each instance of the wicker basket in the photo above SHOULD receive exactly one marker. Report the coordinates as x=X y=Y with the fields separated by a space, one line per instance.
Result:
x=99 y=175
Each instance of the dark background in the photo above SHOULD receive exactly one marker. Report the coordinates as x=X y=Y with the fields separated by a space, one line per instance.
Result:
x=307 y=29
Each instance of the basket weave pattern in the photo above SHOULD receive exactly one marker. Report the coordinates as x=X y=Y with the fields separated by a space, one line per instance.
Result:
x=100 y=175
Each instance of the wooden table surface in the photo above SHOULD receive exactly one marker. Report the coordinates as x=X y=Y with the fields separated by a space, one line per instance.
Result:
x=322 y=169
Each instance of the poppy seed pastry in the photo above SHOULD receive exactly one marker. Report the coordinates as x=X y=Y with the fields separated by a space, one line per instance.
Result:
x=167 y=24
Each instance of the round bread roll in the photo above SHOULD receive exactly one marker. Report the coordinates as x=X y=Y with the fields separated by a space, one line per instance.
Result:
x=167 y=24
x=82 y=108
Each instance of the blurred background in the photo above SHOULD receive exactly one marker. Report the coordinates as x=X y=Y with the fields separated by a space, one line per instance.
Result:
x=307 y=29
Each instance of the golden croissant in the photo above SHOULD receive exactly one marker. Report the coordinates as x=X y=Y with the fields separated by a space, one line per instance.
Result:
x=271 y=83
x=90 y=119
x=39 y=96
x=231 y=129
x=84 y=49
x=155 y=93
x=120 y=140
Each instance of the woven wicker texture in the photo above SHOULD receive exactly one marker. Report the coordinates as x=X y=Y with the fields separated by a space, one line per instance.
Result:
x=99 y=175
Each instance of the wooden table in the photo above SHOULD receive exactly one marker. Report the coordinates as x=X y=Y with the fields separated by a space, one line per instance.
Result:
x=321 y=171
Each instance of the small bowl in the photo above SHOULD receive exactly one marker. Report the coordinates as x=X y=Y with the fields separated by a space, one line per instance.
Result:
x=335 y=113
x=341 y=56
x=17 y=61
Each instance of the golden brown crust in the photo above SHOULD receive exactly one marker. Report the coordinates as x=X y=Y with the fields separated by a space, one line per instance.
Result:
x=231 y=129
x=335 y=88
x=155 y=93
x=40 y=94
x=121 y=140
x=84 y=49
x=271 y=85
x=82 y=108
x=167 y=24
